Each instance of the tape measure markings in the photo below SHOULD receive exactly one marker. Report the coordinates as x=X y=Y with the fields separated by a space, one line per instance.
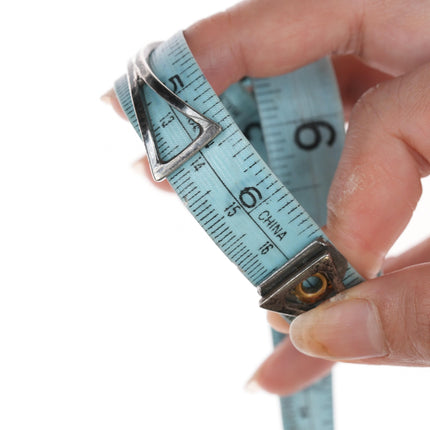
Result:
x=229 y=188
x=251 y=191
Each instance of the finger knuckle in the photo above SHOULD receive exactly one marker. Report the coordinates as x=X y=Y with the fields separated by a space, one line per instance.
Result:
x=354 y=42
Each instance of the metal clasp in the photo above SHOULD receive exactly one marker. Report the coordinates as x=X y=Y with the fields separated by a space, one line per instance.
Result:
x=312 y=276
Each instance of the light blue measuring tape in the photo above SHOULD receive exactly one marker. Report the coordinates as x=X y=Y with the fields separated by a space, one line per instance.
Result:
x=216 y=152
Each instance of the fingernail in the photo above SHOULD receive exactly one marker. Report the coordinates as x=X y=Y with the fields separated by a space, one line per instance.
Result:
x=252 y=386
x=348 y=329
x=108 y=96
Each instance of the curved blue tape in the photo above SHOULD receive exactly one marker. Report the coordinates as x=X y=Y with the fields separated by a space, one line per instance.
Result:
x=294 y=124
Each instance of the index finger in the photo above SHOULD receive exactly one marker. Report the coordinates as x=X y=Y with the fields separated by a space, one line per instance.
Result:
x=270 y=37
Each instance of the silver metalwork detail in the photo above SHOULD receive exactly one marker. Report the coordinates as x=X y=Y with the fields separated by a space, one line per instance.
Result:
x=139 y=73
x=284 y=292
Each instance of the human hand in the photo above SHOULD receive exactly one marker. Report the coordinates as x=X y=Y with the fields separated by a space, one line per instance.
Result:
x=377 y=185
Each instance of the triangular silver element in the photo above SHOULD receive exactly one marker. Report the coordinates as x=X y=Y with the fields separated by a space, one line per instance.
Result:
x=140 y=72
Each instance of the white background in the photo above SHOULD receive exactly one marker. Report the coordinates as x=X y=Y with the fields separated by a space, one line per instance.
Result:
x=116 y=311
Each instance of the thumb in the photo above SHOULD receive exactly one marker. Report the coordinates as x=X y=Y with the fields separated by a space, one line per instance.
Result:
x=382 y=321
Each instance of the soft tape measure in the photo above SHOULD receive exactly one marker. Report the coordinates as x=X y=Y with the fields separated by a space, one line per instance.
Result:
x=216 y=153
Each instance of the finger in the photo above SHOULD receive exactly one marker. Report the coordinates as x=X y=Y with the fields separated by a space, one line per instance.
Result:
x=142 y=166
x=416 y=255
x=377 y=184
x=110 y=98
x=277 y=382
x=354 y=78
x=271 y=37
x=287 y=370
x=382 y=321
x=277 y=322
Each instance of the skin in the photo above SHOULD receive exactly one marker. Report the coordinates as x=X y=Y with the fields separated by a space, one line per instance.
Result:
x=381 y=54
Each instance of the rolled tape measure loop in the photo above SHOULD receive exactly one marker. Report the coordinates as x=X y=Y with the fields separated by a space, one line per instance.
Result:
x=216 y=152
